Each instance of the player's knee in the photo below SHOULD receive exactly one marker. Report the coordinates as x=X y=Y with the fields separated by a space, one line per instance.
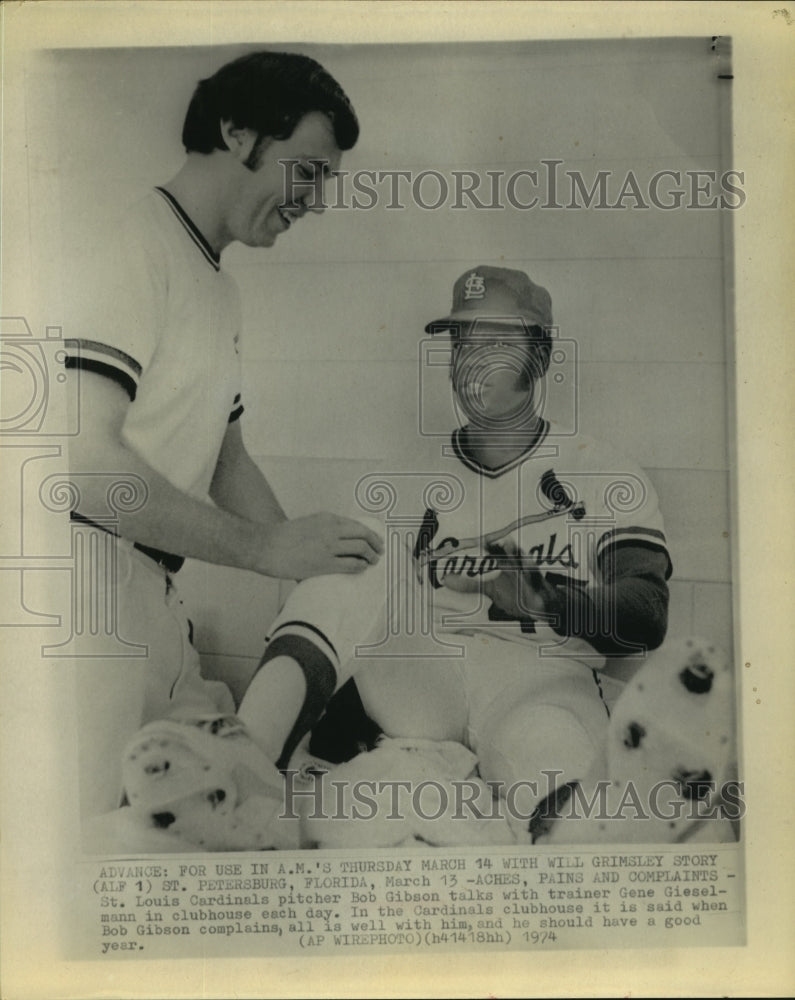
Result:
x=534 y=748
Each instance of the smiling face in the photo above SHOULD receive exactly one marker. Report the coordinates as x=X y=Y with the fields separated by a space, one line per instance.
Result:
x=493 y=375
x=262 y=206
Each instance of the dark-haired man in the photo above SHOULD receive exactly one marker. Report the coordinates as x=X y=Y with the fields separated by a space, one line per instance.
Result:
x=156 y=342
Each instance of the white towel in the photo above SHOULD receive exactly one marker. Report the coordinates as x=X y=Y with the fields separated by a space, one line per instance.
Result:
x=403 y=793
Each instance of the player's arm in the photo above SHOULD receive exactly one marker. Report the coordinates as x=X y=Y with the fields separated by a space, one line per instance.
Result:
x=176 y=522
x=239 y=485
x=627 y=608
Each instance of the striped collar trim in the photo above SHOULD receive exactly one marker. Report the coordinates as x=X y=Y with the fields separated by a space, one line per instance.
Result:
x=191 y=228
x=460 y=449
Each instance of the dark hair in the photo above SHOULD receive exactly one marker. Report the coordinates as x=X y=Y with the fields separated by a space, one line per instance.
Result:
x=268 y=92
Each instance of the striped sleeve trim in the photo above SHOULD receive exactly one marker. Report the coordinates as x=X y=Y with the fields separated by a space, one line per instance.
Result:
x=105 y=352
x=650 y=538
x=93 y=356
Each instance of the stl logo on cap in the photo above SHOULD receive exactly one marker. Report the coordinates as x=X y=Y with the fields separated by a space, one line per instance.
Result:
x=474 y=287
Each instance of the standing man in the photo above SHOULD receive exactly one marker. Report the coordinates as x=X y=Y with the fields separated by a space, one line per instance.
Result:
x=156 y=343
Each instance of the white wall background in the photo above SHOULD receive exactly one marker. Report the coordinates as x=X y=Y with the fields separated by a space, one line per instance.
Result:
x=335 y=311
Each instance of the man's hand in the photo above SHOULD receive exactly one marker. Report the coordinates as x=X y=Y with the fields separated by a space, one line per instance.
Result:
x=522 y=594
x=519 y=591
x=246 y=528
x=319 y=545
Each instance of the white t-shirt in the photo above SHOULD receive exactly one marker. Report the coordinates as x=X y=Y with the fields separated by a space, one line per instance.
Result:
x=160 y=317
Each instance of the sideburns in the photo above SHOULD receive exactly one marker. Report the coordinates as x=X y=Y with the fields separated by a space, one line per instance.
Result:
x=254 y=159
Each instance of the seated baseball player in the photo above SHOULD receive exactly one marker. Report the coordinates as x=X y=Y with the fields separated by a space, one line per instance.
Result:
x=549 y=563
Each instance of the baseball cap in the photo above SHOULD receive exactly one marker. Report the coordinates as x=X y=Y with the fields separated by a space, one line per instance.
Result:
x=496 y=293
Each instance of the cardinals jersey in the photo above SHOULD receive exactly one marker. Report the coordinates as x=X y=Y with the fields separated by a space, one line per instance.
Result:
x=556 y=514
